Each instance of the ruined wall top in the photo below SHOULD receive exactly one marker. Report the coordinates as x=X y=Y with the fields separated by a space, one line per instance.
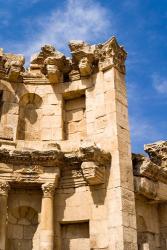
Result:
x=51 y=64
x=153 y=167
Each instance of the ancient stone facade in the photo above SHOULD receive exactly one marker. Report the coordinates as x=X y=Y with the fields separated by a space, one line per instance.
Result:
x=66 y=175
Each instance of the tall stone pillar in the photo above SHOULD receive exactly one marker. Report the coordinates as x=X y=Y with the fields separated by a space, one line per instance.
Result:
x=4 y=188
x=120 y=189
x=46 y=225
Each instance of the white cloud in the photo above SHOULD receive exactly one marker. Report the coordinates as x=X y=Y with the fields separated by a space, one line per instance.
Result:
x=80 y=19
x=160 y=84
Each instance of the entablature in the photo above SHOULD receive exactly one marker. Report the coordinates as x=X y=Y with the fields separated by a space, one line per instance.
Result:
x=19 y=166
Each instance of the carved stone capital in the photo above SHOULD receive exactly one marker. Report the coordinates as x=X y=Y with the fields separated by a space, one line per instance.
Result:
x=112 y=55
x=48 y=189
x=4 y=188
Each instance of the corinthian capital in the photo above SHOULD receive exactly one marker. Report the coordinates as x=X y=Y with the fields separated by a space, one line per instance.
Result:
x=4 y=188
x=112 y=55
x=48 y=189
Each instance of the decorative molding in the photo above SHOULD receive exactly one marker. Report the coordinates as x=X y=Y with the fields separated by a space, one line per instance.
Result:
x=32 y=157
x=4 y=188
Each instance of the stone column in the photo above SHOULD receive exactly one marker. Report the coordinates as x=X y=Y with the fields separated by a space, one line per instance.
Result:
x=46 y=225
x=4 y=188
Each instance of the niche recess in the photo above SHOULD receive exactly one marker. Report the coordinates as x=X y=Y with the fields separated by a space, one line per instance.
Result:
x=29 y=117
x=74 y=116
x=22 y=229
x=75 y=236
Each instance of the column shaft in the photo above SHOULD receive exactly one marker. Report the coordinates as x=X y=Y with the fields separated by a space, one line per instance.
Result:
x=46 y=224
x=4 y=187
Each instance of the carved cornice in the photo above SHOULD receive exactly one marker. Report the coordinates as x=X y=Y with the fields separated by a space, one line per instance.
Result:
x=154 y=167
x=35 y=157
x=4 y=188
x=56 y=157
x=52 y=65
x=48 y=190
x=86 y=153
x=88 y=161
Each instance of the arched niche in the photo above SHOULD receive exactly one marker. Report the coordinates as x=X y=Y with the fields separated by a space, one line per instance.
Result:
x=29 y=117
x=23 y=229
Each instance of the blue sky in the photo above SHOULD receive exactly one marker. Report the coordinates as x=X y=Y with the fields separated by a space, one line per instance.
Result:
x=139 y=25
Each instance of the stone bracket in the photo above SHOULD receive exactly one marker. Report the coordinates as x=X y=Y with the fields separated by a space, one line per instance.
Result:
x=93 y=174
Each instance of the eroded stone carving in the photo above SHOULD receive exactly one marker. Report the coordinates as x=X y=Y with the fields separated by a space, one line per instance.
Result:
x=52 y=65
x=2 y=64
x=48 y=189
x=4 y=188
x=14 y=66
x=157 y=152
x=112 y=55
x=83 y=56
x=153 y=167
x=151 y=173
x=85 y=67
x=93 y=173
